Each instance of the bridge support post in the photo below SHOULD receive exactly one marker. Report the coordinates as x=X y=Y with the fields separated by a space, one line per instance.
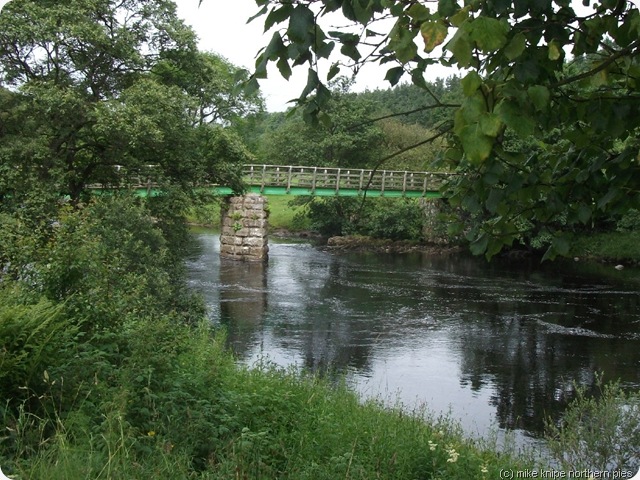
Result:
x=434 y=230
x=244 y=228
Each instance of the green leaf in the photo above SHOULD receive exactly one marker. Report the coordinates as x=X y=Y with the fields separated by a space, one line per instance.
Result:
x=584 y=214
x=433 y=34
x=277 y=15
x=402 y=42
x=394 y=74
x=417 y=78
x=418 y=12
x=561 y=245
x=493 y=200
x=470 y=83
x=350 y=51
x=324 y=49
x=473 y=108
x=555 y=52
x=363 y=11
x=457 y=19
x=461 y=48
x=276 y=47
x=284 y=68
x=490 y=178
x=251 y=87
x=540 y=97
x=516 y=46
x=479 y=245
x=312 y=83
x=447 y=8
x=333 y=71
x=489 y=34
x=491 y=125
x=495 y=246
x=301 y=23
x=511 y=113
x=477 y=146
x=606 y=199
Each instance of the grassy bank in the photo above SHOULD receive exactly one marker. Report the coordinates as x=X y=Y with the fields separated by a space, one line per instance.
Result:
x=282 y=215
x=195 y=414
x=621 y=247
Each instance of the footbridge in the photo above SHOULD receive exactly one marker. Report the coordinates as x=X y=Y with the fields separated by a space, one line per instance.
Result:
x=346 y=182
x=317 y=181
x=245 y=216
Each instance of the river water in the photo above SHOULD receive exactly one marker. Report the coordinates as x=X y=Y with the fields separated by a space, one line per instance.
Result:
x=497 y=346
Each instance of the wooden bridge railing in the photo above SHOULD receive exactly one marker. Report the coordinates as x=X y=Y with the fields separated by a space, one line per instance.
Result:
x=314 y=178
x=311 y=179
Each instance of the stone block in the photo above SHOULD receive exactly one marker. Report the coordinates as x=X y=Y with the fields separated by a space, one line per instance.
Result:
x=254 y=242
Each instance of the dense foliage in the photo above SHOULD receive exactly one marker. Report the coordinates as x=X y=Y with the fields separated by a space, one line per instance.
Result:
x=393 y=219
x=349 y=141
x=87 y=85
x=546 y=140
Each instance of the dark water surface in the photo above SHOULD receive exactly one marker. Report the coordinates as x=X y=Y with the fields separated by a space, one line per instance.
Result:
x=495 y=345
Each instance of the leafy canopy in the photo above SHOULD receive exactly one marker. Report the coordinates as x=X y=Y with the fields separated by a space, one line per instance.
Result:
x=546 y=139
x=89 y=84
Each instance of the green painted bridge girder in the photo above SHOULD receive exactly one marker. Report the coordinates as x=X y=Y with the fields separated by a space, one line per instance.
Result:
x=330 y=192
x=293 y=191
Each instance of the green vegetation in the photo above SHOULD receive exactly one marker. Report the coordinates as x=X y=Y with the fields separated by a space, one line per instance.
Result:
x=615 y=246
x=179 y=407
x=106 y=367
x=110 y=93
x=546 y=141
x=398 y=219
x=600 y=430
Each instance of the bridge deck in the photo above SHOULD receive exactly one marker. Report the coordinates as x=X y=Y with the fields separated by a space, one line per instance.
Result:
x=325 y=181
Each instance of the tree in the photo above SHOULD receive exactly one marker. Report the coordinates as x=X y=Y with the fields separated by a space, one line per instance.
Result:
x=349 y=140
x=214 y=83
x=520 y=90
x=91 y=84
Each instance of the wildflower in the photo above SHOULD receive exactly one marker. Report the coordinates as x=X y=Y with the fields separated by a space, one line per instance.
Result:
x=453 y=455
x=484 y=469
x=151 y=433
x=432 y=446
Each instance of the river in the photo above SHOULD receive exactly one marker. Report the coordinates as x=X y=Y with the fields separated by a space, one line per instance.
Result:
x=497 y=346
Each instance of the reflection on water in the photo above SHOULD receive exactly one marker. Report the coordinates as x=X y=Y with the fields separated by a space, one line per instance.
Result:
x=494 y=344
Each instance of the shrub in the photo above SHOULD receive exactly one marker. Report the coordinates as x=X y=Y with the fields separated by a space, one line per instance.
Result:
x=393 y=219
x=334 y=215
x=35 y=337
x=600 y=432
x=630 y=221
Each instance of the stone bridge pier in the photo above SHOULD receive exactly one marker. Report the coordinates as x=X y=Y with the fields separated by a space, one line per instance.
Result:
x=244 y=228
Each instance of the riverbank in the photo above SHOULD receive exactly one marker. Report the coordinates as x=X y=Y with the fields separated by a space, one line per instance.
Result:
x=182 y=408
x=288 y=221
x=380 y=245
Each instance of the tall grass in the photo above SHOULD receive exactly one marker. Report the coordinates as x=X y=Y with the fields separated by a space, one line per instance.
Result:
x=205 y=417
